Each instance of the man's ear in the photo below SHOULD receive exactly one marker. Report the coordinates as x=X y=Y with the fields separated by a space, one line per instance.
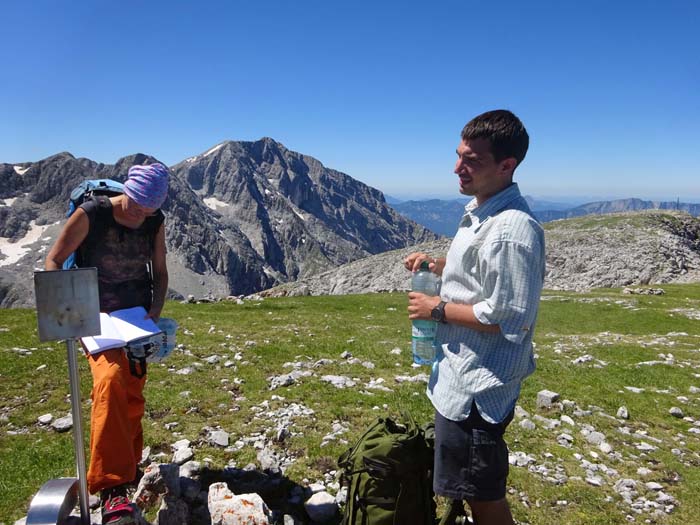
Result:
x=508 y=165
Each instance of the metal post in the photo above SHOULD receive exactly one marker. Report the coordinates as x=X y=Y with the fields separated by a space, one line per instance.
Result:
x=78 y=431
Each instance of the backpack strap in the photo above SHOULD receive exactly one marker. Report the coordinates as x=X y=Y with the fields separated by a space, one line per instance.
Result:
x=98 y=209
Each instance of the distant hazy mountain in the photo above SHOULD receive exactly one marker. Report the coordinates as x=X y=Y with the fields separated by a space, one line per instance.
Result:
x=392 y=200
x=240 y=217
x=615 y=206
x=439 y=216
x=443 y=216
x=539 y=205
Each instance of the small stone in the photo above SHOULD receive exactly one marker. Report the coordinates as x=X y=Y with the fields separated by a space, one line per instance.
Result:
x=183 y=455
x=45 y=419
x=664 y=498
x=520 y=412
x=63 y=424
x=595 y=438
x=527 y=424
x=219 y=438
x=596 y=481
x=145 y=456
x=321 y=507
x=520 y=459
x=565 y=439
x=623 y=413
x=568 y=420
x=180 y=444
x=190 y=469
x=625 y=484
x=545 y=398
x=676 y=412
x=317 y=487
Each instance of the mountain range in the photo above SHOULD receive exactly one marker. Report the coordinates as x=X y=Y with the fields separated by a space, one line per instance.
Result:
x=241 y=217
x=443 y=215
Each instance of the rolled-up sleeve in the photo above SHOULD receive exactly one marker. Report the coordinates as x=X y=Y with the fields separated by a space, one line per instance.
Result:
x=512 y=276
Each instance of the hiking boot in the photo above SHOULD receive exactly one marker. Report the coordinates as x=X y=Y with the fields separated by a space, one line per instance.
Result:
x=116 y=507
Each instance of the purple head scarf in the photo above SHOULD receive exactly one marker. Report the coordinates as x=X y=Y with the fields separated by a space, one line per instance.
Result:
x=147 y=185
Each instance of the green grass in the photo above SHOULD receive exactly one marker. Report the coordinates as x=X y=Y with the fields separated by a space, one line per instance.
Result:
x=619 y=330
x=639 y=219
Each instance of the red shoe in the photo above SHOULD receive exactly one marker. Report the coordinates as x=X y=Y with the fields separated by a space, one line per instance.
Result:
x=116 y=508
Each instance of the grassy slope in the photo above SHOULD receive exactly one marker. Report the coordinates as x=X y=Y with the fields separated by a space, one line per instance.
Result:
x=618 y=329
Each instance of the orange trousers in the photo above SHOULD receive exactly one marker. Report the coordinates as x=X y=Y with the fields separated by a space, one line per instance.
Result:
x=116 y=435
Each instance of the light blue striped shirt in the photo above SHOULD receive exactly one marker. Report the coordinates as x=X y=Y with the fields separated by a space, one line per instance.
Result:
x=496 y=263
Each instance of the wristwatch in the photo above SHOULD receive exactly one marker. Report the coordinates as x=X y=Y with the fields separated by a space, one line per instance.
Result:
x=438 y=313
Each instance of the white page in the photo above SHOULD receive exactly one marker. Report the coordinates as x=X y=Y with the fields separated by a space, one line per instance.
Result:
x=132 y=324
x=109 y=337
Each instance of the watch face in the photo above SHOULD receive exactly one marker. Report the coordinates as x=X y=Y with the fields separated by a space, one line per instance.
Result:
x=438 y=313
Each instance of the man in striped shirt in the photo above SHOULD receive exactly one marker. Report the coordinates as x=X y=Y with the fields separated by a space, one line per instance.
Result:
x=491 y=284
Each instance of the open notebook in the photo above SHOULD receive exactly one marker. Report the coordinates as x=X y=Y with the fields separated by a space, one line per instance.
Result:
x=119 y=328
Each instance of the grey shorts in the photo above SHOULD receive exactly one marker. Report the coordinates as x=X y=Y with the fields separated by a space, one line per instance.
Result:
x=471 y=458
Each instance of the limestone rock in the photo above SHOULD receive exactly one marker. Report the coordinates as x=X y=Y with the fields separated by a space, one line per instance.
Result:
x=227 y=508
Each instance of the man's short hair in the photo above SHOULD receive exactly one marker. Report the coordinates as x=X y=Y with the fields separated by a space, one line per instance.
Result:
x=505 y=132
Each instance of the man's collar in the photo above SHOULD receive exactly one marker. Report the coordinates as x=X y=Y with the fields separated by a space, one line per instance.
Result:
x=494 y=203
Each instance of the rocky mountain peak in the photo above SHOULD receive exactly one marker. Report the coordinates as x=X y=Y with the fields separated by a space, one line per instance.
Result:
x=240 y=217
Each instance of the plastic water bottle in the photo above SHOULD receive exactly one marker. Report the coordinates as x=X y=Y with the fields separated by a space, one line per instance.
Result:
x=423 y=332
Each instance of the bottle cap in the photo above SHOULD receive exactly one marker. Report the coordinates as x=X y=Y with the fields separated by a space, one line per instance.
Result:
x=425 y=265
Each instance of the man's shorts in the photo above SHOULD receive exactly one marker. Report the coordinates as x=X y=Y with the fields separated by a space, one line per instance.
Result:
x=471 y=458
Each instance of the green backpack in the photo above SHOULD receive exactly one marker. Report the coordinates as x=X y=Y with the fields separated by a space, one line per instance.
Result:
x=389 y=475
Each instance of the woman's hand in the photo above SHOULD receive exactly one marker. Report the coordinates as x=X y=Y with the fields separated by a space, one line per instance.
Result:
x=154 y=313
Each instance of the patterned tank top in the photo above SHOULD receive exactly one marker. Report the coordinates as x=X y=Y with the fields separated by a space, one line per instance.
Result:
x=121 y=255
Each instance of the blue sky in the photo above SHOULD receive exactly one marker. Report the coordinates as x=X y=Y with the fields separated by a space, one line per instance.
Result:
x=609 y=91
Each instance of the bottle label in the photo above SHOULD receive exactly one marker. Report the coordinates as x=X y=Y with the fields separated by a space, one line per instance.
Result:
x=425 y=331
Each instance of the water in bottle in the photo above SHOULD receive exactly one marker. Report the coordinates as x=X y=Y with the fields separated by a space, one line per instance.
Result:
x=423 y=331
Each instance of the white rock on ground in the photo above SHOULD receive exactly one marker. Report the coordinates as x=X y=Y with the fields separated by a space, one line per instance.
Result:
x=63 y=424
x=545 y=398
x=321 y=507
x=623 y=413
x=227 y=508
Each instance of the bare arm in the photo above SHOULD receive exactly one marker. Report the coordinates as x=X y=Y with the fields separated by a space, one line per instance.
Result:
x=160 y=274
x=70 y=238
x=420 y=306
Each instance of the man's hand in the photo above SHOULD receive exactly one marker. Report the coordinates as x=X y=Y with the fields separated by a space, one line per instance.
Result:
x=414 y=260
x=420 y=305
